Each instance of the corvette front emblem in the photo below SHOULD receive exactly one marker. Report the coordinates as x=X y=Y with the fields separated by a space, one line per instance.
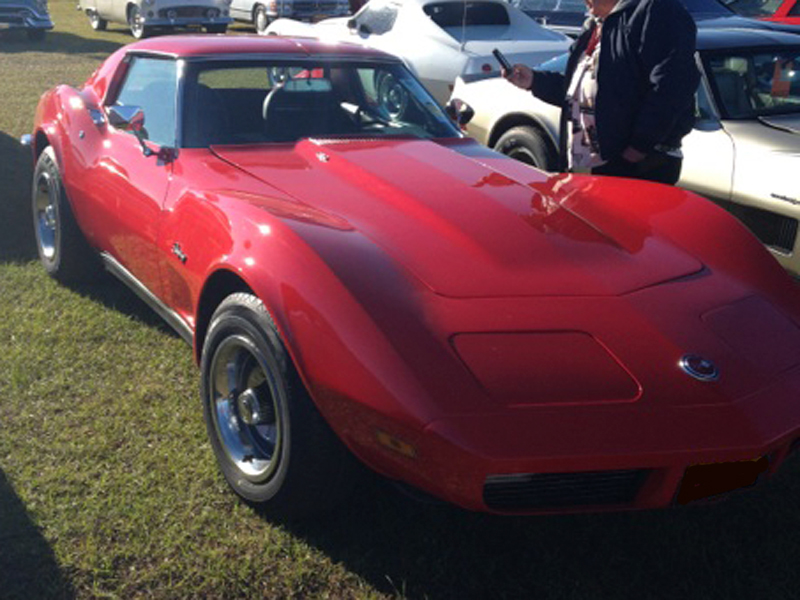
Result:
x=698 y=367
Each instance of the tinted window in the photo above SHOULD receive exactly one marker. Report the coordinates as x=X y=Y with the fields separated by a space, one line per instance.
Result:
x=151 y=84
x=451 y=14
x=763 y=83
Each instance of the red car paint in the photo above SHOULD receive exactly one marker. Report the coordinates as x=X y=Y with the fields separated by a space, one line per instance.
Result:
x=788 y=12
x=486 y=318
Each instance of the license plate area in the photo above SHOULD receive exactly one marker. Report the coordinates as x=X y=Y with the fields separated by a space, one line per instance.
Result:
x=705 y=481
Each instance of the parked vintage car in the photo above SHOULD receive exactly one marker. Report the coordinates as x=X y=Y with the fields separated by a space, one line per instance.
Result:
x=435 y=38
x=358 y=281
x=31 y=15
x=263 y=12
x=566 y=15
x=744 y=151
x=146 y=17
x=779 y=11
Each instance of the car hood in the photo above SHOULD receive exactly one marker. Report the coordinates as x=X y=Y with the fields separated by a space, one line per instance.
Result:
x=778 y=134
x=471 y=223
x=788 y=123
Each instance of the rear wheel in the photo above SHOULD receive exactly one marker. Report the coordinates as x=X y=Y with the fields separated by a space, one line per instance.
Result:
x=260 y=18
x=64 y=252
x=527 y=144
x=271 y=443
x=96 y=22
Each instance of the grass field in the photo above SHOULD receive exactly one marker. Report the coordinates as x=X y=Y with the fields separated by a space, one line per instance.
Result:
x=108 y=488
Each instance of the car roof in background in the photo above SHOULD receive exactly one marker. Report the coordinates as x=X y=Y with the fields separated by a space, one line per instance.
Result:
x=720 y=38
x=220 y=46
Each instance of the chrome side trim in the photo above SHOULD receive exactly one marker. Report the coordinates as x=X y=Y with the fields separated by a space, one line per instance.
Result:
x=172 y=318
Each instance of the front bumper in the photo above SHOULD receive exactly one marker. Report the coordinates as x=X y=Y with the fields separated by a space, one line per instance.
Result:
x=606 y=457
x=186 y=16
x=19 y=16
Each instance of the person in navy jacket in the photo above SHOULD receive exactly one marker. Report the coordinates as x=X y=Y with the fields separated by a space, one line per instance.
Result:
x=627 y=95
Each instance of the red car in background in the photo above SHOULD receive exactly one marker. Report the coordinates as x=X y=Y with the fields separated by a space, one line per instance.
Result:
x=779 y=11
x=359 y=280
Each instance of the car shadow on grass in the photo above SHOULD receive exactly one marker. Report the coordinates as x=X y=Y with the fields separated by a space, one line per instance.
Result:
x=28 y=567
x=16 y=221
x=17 y=238
x=742 y=548
x=58 y=42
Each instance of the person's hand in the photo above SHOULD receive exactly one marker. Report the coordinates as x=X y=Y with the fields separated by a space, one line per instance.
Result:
x=632 y=155
x=520 y=75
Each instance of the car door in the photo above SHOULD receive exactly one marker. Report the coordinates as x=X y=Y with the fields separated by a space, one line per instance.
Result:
x=129 y=183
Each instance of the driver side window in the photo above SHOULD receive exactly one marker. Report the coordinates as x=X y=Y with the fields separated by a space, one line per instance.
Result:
x=151 y=84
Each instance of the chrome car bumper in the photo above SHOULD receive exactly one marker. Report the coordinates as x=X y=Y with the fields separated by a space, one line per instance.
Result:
x=18 y=15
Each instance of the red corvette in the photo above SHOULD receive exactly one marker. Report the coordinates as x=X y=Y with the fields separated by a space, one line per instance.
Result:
x=359 y=280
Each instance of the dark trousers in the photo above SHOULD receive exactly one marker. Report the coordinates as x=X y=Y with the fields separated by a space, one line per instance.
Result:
x=658 y=167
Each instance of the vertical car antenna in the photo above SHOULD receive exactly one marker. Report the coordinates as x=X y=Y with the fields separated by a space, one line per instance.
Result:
x=464 y=27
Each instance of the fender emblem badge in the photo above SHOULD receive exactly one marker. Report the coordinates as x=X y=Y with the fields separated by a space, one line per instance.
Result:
x=177 y=251
x=698 y=367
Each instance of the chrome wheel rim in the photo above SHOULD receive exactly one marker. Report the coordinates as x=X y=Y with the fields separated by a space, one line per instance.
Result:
x=94 y=20
x=46 y=216
x=261 y=19
x=392 y=96
x=136 y=22
x=245 y=415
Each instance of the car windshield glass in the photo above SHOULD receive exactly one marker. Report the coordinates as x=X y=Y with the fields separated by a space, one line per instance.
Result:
x=557 y=6
x=755 y=84
x=246 y=102
x=754 y=8
x=451 y=14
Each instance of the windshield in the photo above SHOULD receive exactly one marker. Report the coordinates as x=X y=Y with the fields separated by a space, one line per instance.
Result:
x=246 y=102
x=754 y=8
x=755 y=84
x=558 y=6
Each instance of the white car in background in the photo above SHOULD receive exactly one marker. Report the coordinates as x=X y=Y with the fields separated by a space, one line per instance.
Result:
x=436 y=39
x=146 y=17
x=263 y=12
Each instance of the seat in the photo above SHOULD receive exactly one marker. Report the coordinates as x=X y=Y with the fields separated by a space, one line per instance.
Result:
x=206 y=121
x=294 y=112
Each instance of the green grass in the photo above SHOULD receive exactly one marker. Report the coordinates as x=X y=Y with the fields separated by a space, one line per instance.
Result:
x=108 y=487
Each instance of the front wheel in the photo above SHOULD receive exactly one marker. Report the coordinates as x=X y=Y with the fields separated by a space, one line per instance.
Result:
x=96 y=22
x=63 y=250
x=136 y=23
x=271 y=443
x=35 y=34
x=528 y=145
x=260 y=18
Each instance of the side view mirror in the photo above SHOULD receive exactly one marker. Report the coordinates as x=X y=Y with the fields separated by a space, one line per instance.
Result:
x=126 y=118
x=459 y=111
x=130 y=119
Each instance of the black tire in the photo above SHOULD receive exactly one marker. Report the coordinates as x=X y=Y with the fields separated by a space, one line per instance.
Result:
x=138 y=29
x=529 y=145
x=217 y=28
x=96 y=22
x=260 y=18
x=35 y=34
x=271 y=443
x=64 y=252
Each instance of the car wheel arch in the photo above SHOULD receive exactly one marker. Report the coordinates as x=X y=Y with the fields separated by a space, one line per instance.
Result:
x=510 y=121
